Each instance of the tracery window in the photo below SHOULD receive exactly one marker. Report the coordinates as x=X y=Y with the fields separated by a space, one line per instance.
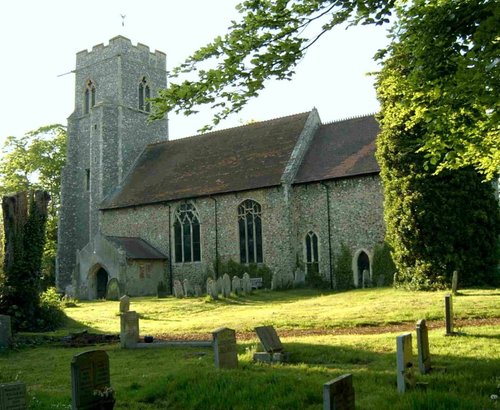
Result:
x=312 y=256
x=250 y=227
x=187 y=234
x=89 y=101
x=144 y=95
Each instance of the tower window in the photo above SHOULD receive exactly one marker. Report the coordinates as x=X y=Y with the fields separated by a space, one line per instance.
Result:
x=87 y=179
x=144 y=95
x=89 y=101
x=187 y=234
x=250 y=227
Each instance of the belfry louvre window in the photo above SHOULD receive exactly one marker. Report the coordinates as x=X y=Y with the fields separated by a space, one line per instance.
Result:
x=187 y=234
x=89 y=101
x=144 y=95
x=312 y=257
x=250 y=227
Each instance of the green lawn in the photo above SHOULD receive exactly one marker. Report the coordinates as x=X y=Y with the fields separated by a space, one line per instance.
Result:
x=185 y=378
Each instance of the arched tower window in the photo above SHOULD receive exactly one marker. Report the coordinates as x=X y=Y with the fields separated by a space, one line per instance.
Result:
x=187 y=234
x=144 y=95
x=89 y=96
x=250 y=227
x=312 y=255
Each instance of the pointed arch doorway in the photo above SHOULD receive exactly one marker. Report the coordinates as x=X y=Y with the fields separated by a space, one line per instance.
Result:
x=363 y=264
x=101 y=279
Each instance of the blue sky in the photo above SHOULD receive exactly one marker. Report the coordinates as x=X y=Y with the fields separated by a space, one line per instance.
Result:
x=39 y=40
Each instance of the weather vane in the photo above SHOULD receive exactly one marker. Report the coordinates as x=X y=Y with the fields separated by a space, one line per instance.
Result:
x=123 y=19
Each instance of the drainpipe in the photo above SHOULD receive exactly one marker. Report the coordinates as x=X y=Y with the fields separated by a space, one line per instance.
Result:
x=327 y=190
x=170 y=265
x=216 y=240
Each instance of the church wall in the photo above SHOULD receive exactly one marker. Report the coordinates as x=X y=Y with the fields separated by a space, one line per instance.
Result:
x=356 y=216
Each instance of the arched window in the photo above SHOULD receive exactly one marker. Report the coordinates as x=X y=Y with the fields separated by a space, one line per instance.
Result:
x=89 y=96
x=250 y=226
x=312 y=255
x=187 y=234
x=144 y=95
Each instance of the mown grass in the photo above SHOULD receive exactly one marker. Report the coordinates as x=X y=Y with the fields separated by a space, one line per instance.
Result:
x=185 y=378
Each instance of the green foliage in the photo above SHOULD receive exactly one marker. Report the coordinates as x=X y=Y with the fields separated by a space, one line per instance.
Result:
x=34 y=162
x=233 y=268
x=383 y=267
x=315 y=280
x=343 y=268
x=162 y=290
x=50 y=314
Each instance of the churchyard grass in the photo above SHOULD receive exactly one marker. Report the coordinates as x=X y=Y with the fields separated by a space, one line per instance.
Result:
x=185 y=378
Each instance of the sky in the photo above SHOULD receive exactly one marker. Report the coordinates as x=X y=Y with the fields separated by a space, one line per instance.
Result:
x=39 y=40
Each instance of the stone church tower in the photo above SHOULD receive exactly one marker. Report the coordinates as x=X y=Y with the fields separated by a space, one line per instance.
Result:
x=106 y=133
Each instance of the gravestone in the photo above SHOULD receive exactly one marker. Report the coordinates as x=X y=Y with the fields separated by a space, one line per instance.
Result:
x=405 y=377
x=274 y=351
x=129 y=329
x=226 y=285
x=178 y=289
x=212 y=289
x=13 y=396
x=90 y=382
x=454 y=283
x=219 y=285
x=246 y=283
x=197 y=291
x=236 y=285
x=299 y=278
x=225 y=349
x=448 y=308
x=188 y=289
x=338 y=394
x=5 y=331
x=124 y=304
x=113 y=290
x=424 y=357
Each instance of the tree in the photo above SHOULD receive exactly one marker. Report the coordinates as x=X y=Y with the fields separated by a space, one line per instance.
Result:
x=34 y=162
x=438 y=219
x=455 y=45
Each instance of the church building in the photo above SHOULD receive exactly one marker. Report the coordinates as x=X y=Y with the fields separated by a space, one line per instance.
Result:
x=140 y=209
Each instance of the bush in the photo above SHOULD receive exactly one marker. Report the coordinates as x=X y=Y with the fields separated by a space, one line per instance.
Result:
x=343 y=268
x=50 y=315
x=316 y=280
x=383 y=268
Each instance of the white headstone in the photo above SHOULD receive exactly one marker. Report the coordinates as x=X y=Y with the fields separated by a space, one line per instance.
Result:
x=129 y=329
x=188 y=289
x=236 y=285
x=124 y=304
x=178 y=289
x=212 y=289
x=226 y=285
x=404 y=359
x=246 y=283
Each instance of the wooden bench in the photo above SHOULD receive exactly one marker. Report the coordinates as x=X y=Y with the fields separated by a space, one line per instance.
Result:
x=256 y=283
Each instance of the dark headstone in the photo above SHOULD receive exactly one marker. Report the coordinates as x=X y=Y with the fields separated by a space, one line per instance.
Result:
x=225 y=349
x=269 y=339
x=13 y=396
x=129 y=329
x=454 y=283
x=338 y=394
x=424 y=356
x=405 y=376
x=5 y=331
x=90 y=382
x=448 y=309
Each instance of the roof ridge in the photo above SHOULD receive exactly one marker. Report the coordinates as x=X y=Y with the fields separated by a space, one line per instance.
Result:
x=353 y=117
x=207 y=134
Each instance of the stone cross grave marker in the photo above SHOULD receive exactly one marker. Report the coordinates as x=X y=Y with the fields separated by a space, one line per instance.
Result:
x=338 y=394
x=225 y=350
x=448 y=308
x=226 y=285
x=124 y=304
x=454 y=283
x=5 y=331
x=178 y=289
x=90 y=380
x=129 y=329
x=13 y=396
x=404 y=362
x=424 y=356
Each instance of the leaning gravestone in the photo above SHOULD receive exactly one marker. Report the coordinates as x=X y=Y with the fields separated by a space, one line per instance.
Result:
x=226 y=285
x=13 y=396
x=404 y=361
x=448 y=307
x=188 y=289
x=225 y=349
x=236 y=285
x=424 y=357
x=246 y=283
x=113 y=290
x=5 y=331
x=124 y=304
x=338 y=394
x=90 y=383
x=129 y=329
x=274 y=351
x=178 y=289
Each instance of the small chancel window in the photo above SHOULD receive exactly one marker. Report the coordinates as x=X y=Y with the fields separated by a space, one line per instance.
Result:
x=250 y=227
x=89 y=96
x=312 y=256
x=144 y=95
